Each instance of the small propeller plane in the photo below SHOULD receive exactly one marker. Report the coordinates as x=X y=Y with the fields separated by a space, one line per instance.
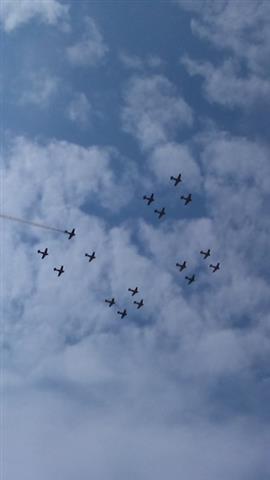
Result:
x=176 y=179
x=215 y=267
x=134 y=291
x=110 y=302
x=43 y=254
x=70 y=234
x=161 y=212
x=139 y=304
x=187 y=199
x=181 y=266
x=205 y=254
x=149 y=199
x=91 y=257
x=123 y=314
x=190 y=279
x=59 y=270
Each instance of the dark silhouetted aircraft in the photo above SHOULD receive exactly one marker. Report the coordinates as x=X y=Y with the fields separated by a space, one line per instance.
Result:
x=139 y=304
x=160 y=212
x=91 y=257
x=176 y=179
x=123 y=314
x=181 y=265
x=190 y=279
x=205 y=254
x=59 y=270
x=215 y=267
x=134 y=291
x=43 y=254
x=110 y=302
x=71 y=234
x=187 y=199
x=149 y=199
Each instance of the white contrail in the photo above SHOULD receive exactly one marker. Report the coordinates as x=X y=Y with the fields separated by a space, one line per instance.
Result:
x=34 y=224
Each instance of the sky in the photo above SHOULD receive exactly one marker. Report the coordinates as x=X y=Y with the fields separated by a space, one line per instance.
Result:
x=101 y=103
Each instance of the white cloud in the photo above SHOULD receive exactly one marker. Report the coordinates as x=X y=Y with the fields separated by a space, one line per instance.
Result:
x=168 y=247
x=172 y=159
x=64 y=176
x=78 y=376
x=65 y=443
x=153 y=110
x=80 y=109
x=134 y=62
x=41 y=88
x=169 y=390
x=224 y=84
x=240 y=30
x=14 y=13
x=238 y=159
x=91 y=49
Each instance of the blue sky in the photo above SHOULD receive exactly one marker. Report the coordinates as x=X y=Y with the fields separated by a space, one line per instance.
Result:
x=102 y=102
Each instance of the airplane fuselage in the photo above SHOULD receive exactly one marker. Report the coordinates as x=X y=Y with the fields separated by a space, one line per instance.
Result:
x=160 y=212
x=110 y=302
x=187 y=199
x=43 y=254
x=70 y=234
x=91 y=257
x=190 y=279
x=59 y=270
x=215 y=267
x=134 y=291
x=149 y=199
x=176 y=179
x=205 y=254
x=139 y=304
x=181 y=266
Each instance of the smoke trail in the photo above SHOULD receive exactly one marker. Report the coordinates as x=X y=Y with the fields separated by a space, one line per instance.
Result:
x=33 y=224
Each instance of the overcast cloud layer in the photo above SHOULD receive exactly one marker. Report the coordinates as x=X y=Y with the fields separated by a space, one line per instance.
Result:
x=96 y=116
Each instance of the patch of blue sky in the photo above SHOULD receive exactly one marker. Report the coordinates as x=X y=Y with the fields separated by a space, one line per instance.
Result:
x=162 y=32
x=193 y=354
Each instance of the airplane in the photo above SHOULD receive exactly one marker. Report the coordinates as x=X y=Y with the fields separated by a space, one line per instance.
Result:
x=43 y=254
x=123 y=314
x=206 y=254
x=160 y=212
x=59 y=270
x=187 y=199
x=149 y=199
x=110 y=302
x=190 y=279
x=215 y=267
x=181 y=266
x=136 y=290
x=91 y=257
x=71 y=234
x=139 y=304
x=176 y=179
